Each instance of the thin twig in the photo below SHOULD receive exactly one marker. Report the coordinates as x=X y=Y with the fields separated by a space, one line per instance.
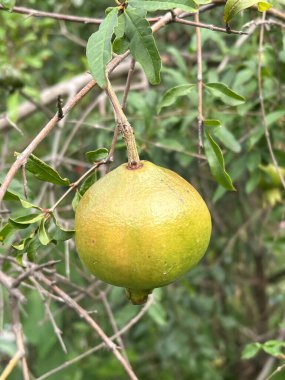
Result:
x=31 y=271
x=113 y=324
x=56 y=330
x=261 y=99
x=84 y=314
x=17 y=326
x=207 y=26
x=11 y=365
x=122 y=331
x=57 y=16
x=200 y=85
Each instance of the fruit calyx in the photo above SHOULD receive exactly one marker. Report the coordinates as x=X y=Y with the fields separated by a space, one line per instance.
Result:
x=138 y=296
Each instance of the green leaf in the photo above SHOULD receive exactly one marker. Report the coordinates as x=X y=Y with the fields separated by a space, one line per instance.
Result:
x=263 y=6
x=32 y=248
x=119 y=29
x=12 y=196
x=170 y=96
x=42 y=233
x=228 y=139
x=152 y=5
x=227 y=95
x=99 y=47
x=250 y=350
x=22 y=244
x=212 y=125
x=76 y=200
x=9 y=4
x=13 y=106
x=96 y=155
x=90 y=180
x=217 y=163
x=6 y=231
x=142 y=44
x=60 y=233
x=233 y=7
x=274 y=347
x=26 y=221
x=121 y=45
x=44 y=172
x=158 y=314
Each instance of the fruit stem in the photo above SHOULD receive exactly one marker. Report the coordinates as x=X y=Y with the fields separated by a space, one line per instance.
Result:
x=125 y=128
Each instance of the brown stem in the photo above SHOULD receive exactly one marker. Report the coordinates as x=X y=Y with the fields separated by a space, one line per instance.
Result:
x=125 y=129
x=200 y=85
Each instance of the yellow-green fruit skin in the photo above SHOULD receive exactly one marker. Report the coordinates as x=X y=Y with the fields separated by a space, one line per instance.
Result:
x=142 y=228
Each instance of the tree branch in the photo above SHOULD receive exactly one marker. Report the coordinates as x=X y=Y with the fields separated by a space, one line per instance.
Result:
x=84 y=315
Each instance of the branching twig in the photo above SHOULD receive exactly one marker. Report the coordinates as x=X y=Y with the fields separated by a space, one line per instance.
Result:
x=17 y=326
x=122 y=331
x=198 y=24
x=83 y=314
x=261 y=99
x=200 y=85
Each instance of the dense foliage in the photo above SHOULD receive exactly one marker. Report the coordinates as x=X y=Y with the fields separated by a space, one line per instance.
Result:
x=198 y=327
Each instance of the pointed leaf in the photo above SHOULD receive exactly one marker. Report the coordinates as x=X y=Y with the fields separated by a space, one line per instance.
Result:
x=233 y=7
x=227 y=95
x=6 y=231
x=96 y=155
x=12 y=196
x=61 y=234
x=42 y=233
x=26 y=221
x=142 y=44
x=43 y=171
x=76 y=200
x=228 y=139
x=250 y=350
x=90 y=180
x=99 y=47
x=173 y=94
x=153 y=5
x=217 y=163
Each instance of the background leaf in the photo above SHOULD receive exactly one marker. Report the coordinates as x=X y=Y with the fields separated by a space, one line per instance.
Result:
x=227 y=95
x=173 y=94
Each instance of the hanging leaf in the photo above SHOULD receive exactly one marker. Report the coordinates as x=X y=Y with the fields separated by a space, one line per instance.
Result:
x=227 y=95
x=160 y=5
x=43 y=171
x=25 y=221
x=42 y=233
x=12 y=196
x=142 y=44
x=60 y=233
x=233 y=7
x=96 y=155
x=173 y=94
x=76 y=200
x=99 y=47
x=217 y=163
x=90 y=180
